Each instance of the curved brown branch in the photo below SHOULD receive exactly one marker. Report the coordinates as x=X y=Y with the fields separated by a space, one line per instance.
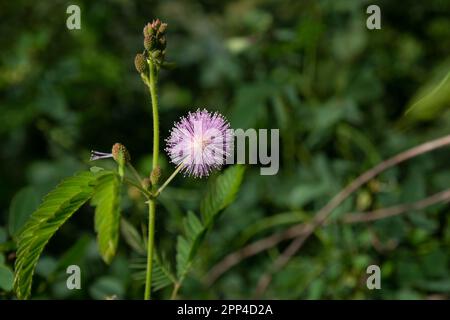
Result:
x=325 y=212
x=378 y=214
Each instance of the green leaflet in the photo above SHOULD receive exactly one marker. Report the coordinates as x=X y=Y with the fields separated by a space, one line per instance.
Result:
x=160 y=280
x=431 y=100
x=106 y=199
x=221 y=193
x=187 y=246
x=6 y=278
x=55 y=209
x=162 y=275
x=132 y=237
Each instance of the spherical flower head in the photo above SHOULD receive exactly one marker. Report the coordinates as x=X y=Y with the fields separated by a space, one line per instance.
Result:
x=200 y=142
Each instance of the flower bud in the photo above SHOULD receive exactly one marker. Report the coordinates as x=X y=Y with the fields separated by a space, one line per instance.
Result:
x=120 y=153
x=146 y=183
x=155 y=42
x=149 y=42
x=140 y=63
x=162 y=28
x=148 y=31
x=156 y=24
x=163 y=42
x=158 y=55
x=155 y=175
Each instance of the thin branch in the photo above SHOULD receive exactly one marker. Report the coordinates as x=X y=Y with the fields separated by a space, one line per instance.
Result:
x=136 y=174
x=174 y=293
x=168 y=180
x=142 y=190
x=326 y=211
x=378 y=214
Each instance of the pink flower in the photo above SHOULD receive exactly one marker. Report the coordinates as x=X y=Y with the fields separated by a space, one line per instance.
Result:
x=200 y=142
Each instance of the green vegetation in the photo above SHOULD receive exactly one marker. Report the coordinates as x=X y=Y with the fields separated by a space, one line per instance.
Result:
x=344 y=98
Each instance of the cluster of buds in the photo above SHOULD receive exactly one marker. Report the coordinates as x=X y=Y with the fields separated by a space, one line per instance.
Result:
x=154 y=44
x=154 y=37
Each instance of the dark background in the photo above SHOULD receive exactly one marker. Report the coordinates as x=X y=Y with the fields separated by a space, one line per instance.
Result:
x=337 y=91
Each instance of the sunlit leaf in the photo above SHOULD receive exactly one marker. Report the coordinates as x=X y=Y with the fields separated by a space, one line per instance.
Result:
x=55 y=209
x=431 y=100
x=221 y=192
x=106 y=199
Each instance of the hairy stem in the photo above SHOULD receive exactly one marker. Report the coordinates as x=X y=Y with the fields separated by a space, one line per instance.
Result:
x=154 y=96
x=150 y=246
x=151 y=202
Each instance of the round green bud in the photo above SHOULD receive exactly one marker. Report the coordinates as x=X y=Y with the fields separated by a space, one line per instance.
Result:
x=149 y=42
x=120 y=153
x=140 y=63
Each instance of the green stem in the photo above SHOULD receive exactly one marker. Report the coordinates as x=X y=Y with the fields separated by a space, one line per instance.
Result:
x=174 y=294
x=150 y=246
x=151 y=202
x=168 y=180
x=154 y=96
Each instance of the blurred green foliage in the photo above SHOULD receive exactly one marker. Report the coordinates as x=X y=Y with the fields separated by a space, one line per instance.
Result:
x=344 y=97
